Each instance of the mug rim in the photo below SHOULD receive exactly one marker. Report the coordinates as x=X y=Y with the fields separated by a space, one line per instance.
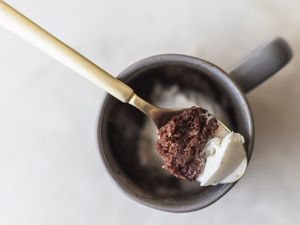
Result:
x=177 y=59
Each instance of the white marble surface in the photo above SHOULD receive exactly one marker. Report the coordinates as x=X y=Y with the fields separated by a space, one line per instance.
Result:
x=50 y=168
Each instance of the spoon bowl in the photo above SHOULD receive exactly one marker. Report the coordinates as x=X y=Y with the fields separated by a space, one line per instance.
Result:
x=160 y=116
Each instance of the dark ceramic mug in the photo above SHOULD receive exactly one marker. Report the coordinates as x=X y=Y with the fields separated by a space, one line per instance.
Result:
x=120 y=124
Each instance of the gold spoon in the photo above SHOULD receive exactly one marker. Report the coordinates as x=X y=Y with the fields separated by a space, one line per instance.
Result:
x=37 y=36
x=228 y=171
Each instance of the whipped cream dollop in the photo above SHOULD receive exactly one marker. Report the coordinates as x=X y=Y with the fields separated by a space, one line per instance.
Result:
x=226 y=160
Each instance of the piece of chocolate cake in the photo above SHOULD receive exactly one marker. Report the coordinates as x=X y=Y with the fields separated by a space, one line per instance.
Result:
x=182 y=142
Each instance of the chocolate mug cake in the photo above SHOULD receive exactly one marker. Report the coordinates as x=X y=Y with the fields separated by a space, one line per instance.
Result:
x=182 y=142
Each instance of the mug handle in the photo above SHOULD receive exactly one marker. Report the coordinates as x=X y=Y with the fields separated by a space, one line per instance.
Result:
x=262 y=64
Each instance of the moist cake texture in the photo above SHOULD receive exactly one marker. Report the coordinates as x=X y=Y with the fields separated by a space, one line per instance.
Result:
x=182 y=142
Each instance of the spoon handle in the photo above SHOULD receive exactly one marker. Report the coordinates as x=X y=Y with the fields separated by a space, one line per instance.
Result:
x=37 y=36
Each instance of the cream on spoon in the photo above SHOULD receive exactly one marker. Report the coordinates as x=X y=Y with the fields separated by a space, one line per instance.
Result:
x=226 y=159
